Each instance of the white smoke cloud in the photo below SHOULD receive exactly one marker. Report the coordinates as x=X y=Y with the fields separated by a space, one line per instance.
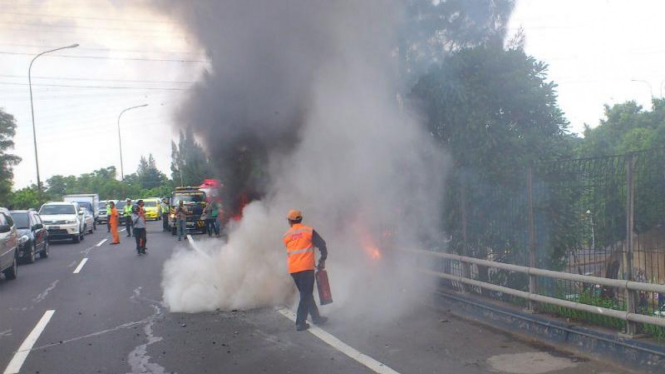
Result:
x=361 y=167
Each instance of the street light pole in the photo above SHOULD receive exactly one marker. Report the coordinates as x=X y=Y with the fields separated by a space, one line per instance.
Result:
x=32 y=111
x=122 y=172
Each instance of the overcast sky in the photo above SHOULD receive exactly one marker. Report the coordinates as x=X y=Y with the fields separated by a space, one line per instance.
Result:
x=131 y=56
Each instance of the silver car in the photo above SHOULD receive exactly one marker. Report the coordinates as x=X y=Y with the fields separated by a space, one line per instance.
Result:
x=8 y=245
x=90 y=225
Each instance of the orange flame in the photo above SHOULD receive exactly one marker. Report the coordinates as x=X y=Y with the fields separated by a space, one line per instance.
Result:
x=373 y=252
x=368 y=245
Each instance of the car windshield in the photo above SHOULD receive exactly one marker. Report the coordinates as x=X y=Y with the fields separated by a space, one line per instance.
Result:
x=150 y=204
x=57 y=209
x=120 y=205
x=102 y=205
x=188 y=198
x=85 y=204
x=22 y=220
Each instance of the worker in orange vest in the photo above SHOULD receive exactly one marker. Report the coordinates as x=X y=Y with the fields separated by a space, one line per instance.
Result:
x=300 y=241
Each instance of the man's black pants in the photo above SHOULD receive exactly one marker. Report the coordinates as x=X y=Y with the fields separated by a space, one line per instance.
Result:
x=165 y=222
x=305 y=283
x=128 y=226
x=141 y=239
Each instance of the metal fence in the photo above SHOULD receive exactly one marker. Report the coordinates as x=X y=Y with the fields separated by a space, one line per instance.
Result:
x=597 y=217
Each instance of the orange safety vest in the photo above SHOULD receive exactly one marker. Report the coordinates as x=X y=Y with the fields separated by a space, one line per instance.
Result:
x=299 y=248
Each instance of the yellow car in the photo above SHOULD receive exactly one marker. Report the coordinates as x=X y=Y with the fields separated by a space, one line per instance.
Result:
x=153 y=209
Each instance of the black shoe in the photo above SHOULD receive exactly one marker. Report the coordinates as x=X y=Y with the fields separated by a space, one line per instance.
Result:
x=302 y=327
x=321 y=321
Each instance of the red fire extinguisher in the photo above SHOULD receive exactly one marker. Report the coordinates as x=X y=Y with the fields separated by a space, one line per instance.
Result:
x=322 y=284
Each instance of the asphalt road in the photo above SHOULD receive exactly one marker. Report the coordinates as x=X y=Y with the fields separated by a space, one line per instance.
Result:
x=108 y=318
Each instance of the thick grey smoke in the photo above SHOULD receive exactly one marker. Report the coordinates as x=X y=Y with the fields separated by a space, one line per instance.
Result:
x=309 y=87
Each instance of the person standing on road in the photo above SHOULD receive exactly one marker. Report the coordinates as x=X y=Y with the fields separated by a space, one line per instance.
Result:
x=181 y=217
x=108 y=215
x=209 y=219
x=127 y=213
x=113 y=223
x=300 y=241
x=139 y=223
x=165 y=215
x=216 y=208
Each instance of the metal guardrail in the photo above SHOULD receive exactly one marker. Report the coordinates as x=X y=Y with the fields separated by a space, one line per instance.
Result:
x=616 y=283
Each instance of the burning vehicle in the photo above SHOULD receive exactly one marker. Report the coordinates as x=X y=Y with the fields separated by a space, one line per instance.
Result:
x=194 y=200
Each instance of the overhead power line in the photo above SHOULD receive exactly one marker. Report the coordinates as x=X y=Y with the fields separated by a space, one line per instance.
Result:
x=108 y=58
x=95 y=87
x=124 y=29
x=45 y=46
x=42 y=15
x=96 y=80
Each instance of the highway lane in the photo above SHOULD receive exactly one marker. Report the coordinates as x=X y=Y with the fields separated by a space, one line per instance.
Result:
x=108 y=318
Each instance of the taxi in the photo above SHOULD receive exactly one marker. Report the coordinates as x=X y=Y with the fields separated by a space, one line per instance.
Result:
x=152 y=208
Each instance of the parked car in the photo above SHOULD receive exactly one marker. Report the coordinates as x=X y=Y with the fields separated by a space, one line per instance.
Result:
x=153 y=208
x=103 y=217
x=8 y=245
x=32 y=235
x=63 y=221
x=90 y=224
x=120 y=206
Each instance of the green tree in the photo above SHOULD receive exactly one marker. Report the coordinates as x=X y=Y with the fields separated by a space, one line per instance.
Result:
x=189 y=163
x=496 y=112
x=434 y=29
x=7 y=160
x=25 y=198
x=148 y=174
x=627 y=127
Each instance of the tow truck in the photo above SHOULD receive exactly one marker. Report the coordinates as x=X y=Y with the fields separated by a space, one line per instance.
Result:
x=194 y=201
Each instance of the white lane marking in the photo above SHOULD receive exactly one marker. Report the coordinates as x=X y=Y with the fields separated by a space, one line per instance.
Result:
x=102 y=242
x=23 y=351
x=122 y=230
x=78 y=268
x=339 y=345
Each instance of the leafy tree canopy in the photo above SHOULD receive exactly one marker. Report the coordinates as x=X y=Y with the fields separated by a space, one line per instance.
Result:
x=7 y=160
x=627 y=127
x=189 y=163
x=494 y=110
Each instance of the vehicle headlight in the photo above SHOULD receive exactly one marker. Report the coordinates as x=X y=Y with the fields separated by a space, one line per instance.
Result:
x=172 y=215
x=71 y=222
x=23 y=239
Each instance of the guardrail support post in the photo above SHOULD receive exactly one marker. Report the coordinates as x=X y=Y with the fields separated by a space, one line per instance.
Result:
x=466 y=268
x=533 y=286
x=631 y=295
